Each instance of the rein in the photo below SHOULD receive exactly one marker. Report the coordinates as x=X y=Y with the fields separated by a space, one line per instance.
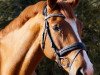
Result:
x=59 y=53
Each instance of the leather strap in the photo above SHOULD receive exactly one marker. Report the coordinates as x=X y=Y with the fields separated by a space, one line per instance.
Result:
x=69 y=48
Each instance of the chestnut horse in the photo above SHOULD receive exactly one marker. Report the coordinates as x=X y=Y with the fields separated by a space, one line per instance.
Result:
x=47 y=28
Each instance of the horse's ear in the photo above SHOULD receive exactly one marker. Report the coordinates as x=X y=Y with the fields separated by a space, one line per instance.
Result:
x=51 y=3
x=73 y=3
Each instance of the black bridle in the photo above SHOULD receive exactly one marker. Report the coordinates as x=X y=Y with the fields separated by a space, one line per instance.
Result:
x=59 y=53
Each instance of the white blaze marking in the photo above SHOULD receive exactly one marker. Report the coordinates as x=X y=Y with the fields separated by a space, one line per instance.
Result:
x=74 y=27
x=89 y=68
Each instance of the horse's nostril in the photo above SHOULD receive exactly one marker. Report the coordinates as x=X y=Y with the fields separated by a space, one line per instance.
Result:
x=80 y=71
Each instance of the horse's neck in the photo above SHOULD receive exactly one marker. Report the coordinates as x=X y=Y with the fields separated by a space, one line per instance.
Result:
x=18 y=22
x=20 y=43
x=20 y=37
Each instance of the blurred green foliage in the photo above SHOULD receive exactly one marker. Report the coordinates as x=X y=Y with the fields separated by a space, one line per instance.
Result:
x=88 y=12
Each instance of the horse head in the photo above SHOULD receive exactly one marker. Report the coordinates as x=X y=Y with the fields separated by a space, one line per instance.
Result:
x=61 y=38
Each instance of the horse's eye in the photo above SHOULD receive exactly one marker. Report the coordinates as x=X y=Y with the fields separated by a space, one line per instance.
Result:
x=56 y=27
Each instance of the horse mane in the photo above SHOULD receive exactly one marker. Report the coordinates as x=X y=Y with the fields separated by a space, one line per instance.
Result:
x=24 y=16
